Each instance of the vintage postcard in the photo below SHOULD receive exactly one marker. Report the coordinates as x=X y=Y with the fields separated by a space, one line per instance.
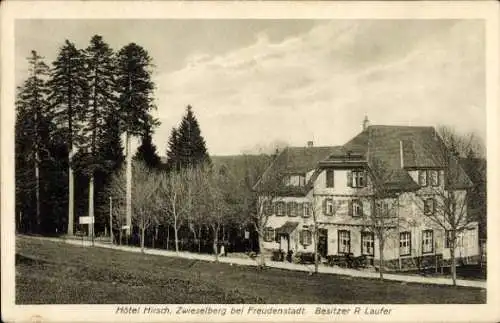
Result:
x=249 y=161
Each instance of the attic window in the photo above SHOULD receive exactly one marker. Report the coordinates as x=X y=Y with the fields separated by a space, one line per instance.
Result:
x=295 y=180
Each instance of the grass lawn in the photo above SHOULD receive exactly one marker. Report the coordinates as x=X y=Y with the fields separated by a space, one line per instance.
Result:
x=58 y=273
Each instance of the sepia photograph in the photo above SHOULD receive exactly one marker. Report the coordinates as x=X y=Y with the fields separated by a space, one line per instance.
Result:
x=237 y=168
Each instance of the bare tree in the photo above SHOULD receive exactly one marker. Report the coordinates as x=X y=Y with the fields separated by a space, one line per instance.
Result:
x=213 y=200
x=382 y=218
x=444 y=202
x=267 y=190
x=174 y=198
x=144 y=189
x=461 y=144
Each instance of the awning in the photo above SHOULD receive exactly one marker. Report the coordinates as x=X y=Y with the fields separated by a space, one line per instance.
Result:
x=287 y=228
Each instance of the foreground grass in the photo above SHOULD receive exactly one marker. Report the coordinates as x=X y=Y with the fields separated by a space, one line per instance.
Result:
x=51 y=272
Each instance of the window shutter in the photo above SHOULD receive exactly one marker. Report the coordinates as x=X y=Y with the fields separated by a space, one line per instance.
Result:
x=324 y=206
x=349 y=178
x=360 y=208
x=349 y=206
x=301 y=237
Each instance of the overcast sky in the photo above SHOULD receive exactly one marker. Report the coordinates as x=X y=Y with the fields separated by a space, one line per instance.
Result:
x=253 y=83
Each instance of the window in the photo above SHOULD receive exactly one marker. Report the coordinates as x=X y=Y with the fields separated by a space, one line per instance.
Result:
x=280 y=208
x=357 y=178
x=382 y=208
x=429 y=206
x=427 y=241
x=269 y=234
x=267 y=208
x=422 y=178
x=305 y=237
x=367 y=243
x=294 y=180
x=405 y=243
x=306 y=209
x=357 y=208
x=329 y=178
x=292 y=209
x=344 y=241
x=329 y=207
x=434 y=177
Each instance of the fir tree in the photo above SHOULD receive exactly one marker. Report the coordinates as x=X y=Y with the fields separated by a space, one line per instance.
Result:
x=147 y=151
x=173 y=153
x=101 y=103
x=191 y=145
x=33 y=129
x=135 y=89
x=68 y=89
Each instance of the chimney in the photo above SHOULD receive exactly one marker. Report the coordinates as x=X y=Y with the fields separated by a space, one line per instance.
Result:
x=366 y=123
x=310 y=144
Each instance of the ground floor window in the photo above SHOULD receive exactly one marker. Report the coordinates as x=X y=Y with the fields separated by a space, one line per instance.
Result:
x=305 y=237
x=367 y=243
x=269 y=234
x=427 y=241
x=344 y=241
x=405 y=243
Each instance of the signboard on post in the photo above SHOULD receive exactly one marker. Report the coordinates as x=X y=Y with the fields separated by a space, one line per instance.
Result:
x=86 y=219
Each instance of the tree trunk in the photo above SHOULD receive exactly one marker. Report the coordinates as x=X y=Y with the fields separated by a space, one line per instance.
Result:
x=37 y=193
x=111 y=220
x=71 y=198
x=176 y=237
x=216 y=252
x=128 y=184
x=381 y=256
x=216 y=240
x=143 y=229
x=453 y=263
x=316 y=251
x=262 y=260
x=91 y=204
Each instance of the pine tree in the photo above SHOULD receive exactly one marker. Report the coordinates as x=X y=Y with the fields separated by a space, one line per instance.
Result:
x=191 y=145
x=147 y=151
x=68 y=88
x=173 y=153
x=101 y=103
x=135 y=89
x=34 y=125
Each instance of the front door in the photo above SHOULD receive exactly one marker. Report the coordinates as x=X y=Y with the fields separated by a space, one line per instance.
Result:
x=323 y=242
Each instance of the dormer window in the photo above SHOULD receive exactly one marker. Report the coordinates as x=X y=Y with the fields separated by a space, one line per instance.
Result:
x=428 y=177
x=295 y=180
x=434 y=177
x=422 y=178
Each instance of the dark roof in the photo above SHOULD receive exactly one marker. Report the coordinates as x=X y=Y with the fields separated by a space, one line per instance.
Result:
x=395 y=149
x=304 y=159
x=389 y=151
x=295 y=160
